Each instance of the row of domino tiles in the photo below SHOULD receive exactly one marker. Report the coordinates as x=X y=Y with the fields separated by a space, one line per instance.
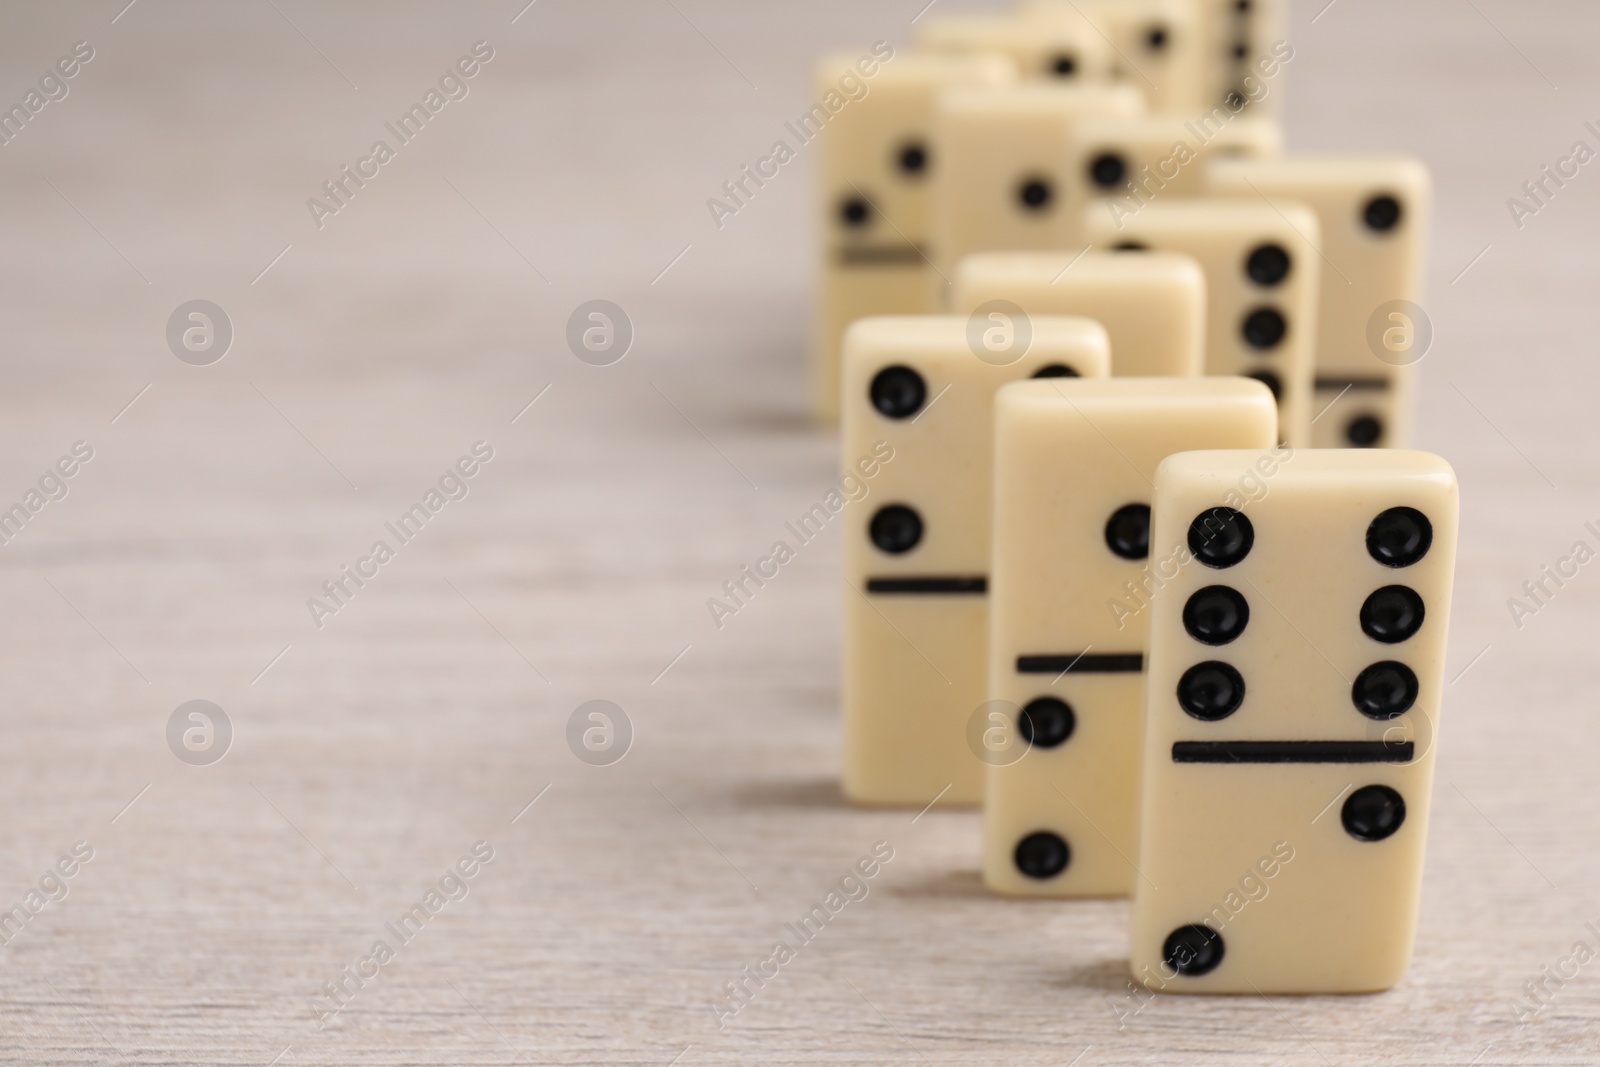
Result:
x=942 y=166
x=1179 y=630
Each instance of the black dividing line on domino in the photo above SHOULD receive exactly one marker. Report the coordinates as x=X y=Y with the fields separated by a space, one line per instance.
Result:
x=1081 y=663
x=880 y=255
x=971 y=586
x=1293 y=752
x=1351 y=383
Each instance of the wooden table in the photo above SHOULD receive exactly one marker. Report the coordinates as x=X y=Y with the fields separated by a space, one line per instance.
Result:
x=430 y=711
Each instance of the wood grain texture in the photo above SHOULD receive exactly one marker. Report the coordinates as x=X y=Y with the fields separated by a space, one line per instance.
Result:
x=430 y=710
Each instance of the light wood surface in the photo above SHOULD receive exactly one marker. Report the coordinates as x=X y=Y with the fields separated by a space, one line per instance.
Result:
x=431 y=710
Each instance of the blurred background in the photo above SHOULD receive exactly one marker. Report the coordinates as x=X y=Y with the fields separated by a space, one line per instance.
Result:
x=362 y=753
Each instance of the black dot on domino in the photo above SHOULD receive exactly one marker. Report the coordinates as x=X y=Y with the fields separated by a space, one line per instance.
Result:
x=1385 y=690
x=1399 y=537
x=855 y=212
x=1210 y=691
x=913 y=159
x=1364 y=431
x=1046 y=722
x=1131 y=246
x=1042 y=854
x=1216 y=615
x=1193 y=950
x=896 y=529
x=1221 y=537
x=1267 y=265
x=1382 y=213
x=1373 y=813
x=1240 y=50
x=898 y=391
x=1128 y=531
x=1273 y=383
x=1392 y=614
x=1063 y=66
x=1055 y=370
x=1108 y=170
x=1264 y=328
x=1034 y=194
x=1155 y=39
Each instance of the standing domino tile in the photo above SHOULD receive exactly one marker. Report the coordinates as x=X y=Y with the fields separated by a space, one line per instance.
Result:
x=877 y=165
x=1151 y=158
x=1152 y=306
x=1296 y=670
x=1157 y=46
x=1262 y=272
x=1044 y=46
x=1244 y=48
x=916 y=559
x=1003 y=186
x=1374 y=215
x=1073 y=568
